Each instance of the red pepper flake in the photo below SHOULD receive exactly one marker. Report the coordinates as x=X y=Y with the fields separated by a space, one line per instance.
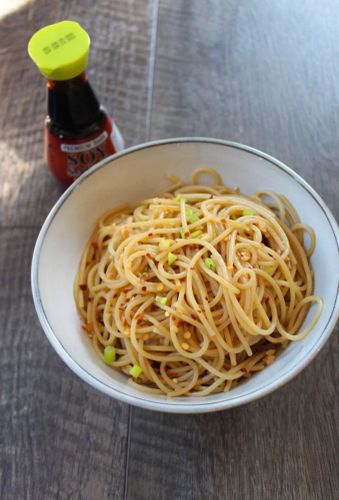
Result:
x=87 y=326
x=149 y=256
x=150 y=234
x=187 y=234
x=268 y=360
x=94 y=245
x=89 y=299
x=144 y=288
x=83 y=286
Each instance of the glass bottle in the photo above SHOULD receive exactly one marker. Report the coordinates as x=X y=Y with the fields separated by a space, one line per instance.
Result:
x=78 y=130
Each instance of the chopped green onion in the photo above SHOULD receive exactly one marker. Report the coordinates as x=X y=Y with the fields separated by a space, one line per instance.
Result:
x=193 y=219
x=164 y=244
x=188 y=201
x=109 y=354
x=269 y=270
x=146 y=268
x=160 y=299
x=234 y=217
x=178 y=197
x=247 y=212
x=195 y=234
x=192 y=216
x=135 y=371
x=171 y=258
x=210 y=264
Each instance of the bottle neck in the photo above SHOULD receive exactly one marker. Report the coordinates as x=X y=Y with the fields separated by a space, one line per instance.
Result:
x=72 y=105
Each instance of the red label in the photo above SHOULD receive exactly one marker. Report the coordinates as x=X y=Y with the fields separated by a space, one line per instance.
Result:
x=68 y=159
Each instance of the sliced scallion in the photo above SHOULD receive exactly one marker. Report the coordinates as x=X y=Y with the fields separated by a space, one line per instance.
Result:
x=164 y=244
x=171 y=258
x=135 y=371
x=210 y=264
x=109 y=354
x=160 y=299
x=196 y=234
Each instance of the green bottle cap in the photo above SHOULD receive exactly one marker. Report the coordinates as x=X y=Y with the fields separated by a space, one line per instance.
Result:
x=60 y=50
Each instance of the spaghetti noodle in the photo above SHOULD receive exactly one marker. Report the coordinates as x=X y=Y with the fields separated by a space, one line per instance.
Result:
x=196 y=289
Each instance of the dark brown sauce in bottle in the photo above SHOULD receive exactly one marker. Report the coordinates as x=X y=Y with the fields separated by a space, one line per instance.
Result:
x=78 y=130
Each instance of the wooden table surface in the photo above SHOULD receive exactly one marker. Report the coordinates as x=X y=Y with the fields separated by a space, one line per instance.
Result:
x=264 y=73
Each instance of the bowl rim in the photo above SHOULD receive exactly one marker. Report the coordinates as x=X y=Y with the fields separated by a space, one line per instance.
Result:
x=166 y=405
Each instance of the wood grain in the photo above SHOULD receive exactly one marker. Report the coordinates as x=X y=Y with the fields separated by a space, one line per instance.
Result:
x=59 y=437
x=119 y=70
x=261 y=73
x=281 y=447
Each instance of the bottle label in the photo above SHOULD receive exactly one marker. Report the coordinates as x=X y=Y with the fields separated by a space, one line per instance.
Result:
x=80 y=157
x=85 y=146
x=68 y=160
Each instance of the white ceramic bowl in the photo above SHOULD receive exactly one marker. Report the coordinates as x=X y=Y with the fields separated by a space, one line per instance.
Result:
x=137 y=173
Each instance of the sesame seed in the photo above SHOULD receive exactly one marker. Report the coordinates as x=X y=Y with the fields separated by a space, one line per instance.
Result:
x=167 y=314
x=175 y=381
x=185 y=346
x=160 y=287
x=187 y=335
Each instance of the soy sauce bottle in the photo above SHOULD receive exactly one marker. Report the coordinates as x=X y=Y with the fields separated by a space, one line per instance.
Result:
x=78 y=130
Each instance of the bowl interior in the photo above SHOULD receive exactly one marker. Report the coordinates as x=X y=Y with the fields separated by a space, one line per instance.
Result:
x=140 y=173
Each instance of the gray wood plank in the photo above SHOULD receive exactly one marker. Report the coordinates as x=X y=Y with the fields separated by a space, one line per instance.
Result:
x=59 y=438
x=281 y=447
x=261 y=73
x=119 y=70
